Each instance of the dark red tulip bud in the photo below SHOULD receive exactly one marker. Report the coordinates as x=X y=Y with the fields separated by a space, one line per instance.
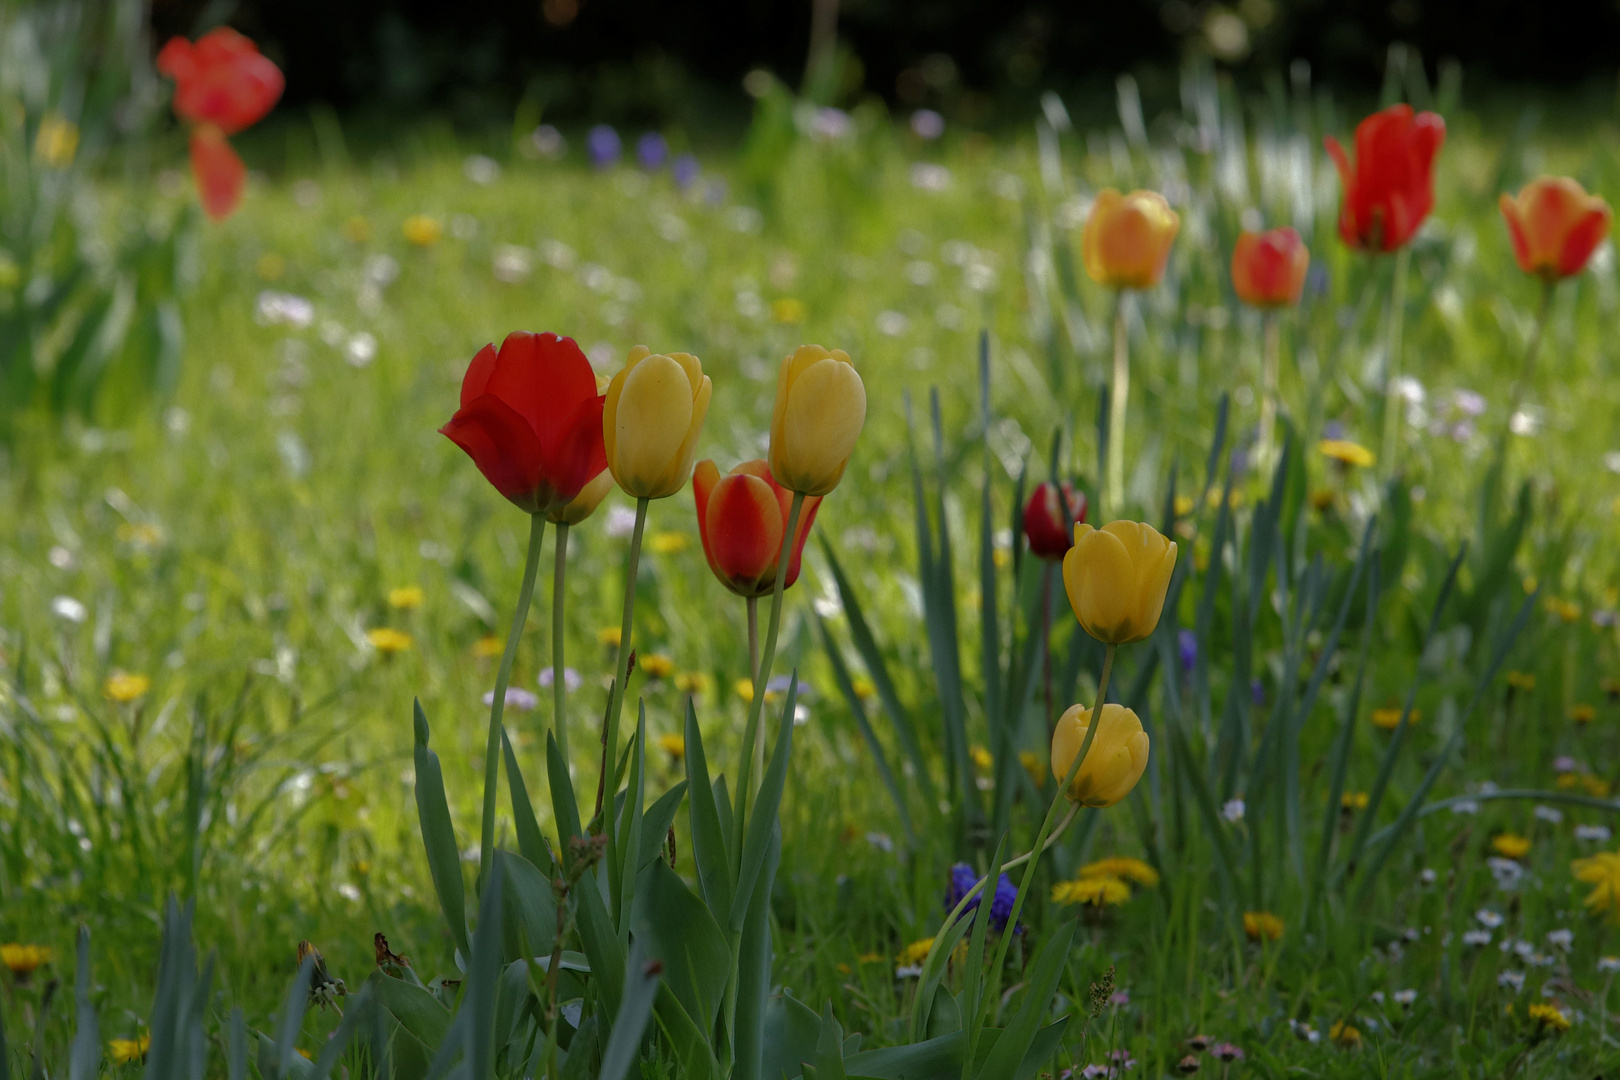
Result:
x=1050 y=530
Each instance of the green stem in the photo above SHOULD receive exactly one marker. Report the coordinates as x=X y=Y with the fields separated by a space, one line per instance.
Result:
x=1269 y=364
x=1392 y=362
x=497 y=706
x=1533 y=348
x=559 y=708
x=610 y=749
x=762 y=677
x=753 y=638
x=1116 y=410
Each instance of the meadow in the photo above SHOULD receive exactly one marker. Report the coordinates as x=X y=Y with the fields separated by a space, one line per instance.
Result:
x=1382 y=697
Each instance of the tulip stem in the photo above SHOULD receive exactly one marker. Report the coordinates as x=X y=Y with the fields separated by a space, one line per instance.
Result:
x=762 y=676
x=497 y=705
x=559 y=711
x=1533 y=347
x=1270 y=361
x=621 y=676
x=753 y=638
x=1392 y=361
x=1116 y=409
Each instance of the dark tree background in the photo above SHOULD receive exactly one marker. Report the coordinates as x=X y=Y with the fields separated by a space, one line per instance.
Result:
x=646 y=60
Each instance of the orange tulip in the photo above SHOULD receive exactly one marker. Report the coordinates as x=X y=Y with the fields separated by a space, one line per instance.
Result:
x=1127 y=239
x=1268 y=269
x=1555 y=226
x=742 y=518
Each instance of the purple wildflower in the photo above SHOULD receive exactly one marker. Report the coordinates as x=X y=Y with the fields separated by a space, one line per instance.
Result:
x=1188 y=642
x=652 y=150
x=603 y=145
x=686 y=171
x=927 y=124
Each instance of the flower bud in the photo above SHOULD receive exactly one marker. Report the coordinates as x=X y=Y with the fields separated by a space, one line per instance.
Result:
x=1268 y=269
x=1127 y=239
x=742 y=518
x=1049 y=524
x=1116 y=578
x=650 y=423
x=1555 y=226
x=820 y=409
x=1115 y=762
x=1389 y=189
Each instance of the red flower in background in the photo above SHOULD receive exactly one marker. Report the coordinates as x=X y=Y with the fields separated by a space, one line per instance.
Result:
x=1268 y=269
x=1390 y=189
x=1049 y=528
x=222 y=84
x=742 y=518
x=531 y=420
x=1555 y=226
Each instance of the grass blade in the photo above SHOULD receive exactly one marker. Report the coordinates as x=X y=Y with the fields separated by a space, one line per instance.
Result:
x=763 y=822
x=641 y=980
x=857 y=709
x=439 y=835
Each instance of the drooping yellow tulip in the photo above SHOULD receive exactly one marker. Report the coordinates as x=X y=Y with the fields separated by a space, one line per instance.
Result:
x=584 y=504
x=820 y=409
x=1115 y=761
x=1127 y=239
x=1116 y=579
x=650 y=423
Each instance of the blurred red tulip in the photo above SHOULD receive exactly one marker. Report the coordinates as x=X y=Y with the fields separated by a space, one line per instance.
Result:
x=1050 y=531
x=531 y=420
x=1268 y=269
x=220 y=173
x=222 y=79
x=1390 y=190
x=1555 y=226
x=742 y=517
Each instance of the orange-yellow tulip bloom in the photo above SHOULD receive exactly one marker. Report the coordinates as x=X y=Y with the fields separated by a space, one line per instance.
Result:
x=742 y=518
x=1115 y=762
x=1268 y=269
x=1116 y=578
x=819 y=412
x=1127 y=239
x=650 y=422
x=1555 y=226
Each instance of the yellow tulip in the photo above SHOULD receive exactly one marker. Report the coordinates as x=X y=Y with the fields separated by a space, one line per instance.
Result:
x=1127 y=239
x=1115 y=761
x=585 y=503
x=650 y=422
x=1116 y=579
x=820 y=409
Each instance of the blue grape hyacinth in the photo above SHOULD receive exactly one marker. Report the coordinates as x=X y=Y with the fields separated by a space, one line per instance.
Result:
x=962 y=877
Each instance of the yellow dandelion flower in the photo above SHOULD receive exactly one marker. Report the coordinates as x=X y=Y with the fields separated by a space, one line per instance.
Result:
x=57 y=141
x=271 y=266
x=865 y=688
x=1345 y=1035
x=124 y=1051
x=1390 y=718
x=1567 y=610
x=1611 y=687
x=1184 y=505
x=981 y=758
x=1567 y=781
x=874 y=957
x=673 y=745
x=1262 y=926
x=141 y=534
x=388 y=641
x=1529 y=584
x=1034 y=765
x=916 y=952
x=788 y=310
x=656 y=665
x=305 y=1054
x=1521 y=680
x=692 y=682
x=357 y=229
x=1595 y=786
x=1323 y=499
x=406 y=597
x=743 y=688
x=1602 y=872
x=1582 y=714
x=1549 y=1017
x=1510 y=845
x=609 y=636
x=1001 y=557
x=421 y=230
x=1353 y=800
x=1346 y=453
x=670 y=543
x=123 y=687
x=843 y=968
x=1124 y=868
x=24 y=960
x=488 y=646
x=1096 y=891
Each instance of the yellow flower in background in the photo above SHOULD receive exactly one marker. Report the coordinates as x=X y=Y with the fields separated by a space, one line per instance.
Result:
x=1116 y=578
x=865 y=688
x=650 y=423
x=656 y=665
x=1032 y=763
x=873 y=957
x=1344 y=1035
x=1184 y=505
x=1390 y=718
x=1346 y=453
x=609 y=636
x=1549 y=1017
x=141 y=534
x=357 y=229
x=1262 y=926
x=1602 y=872
x=1097 y=891
x=124 y=1051
x=670 y=543
x=1115 y=762
x=24 y=960
x=1582 y=714
x=1354 y=800
x=1124 y=868
x=270 y=266
x=1611 y=687
x=1510 y=845
x=488 y=646
x=788 y=310
x=124 y=687
x=388 y=641
x=57 y=141
x=1567 y=781
x=421 y=230
x=1127 y=238
x=405 y=597
x=1323 y=499
x=692 y=682
x=981 y=758
x=1595 y=786
x=916 y=952
x=1521 y=680
x=743 y=688
x=819 y=412
x=673 y=745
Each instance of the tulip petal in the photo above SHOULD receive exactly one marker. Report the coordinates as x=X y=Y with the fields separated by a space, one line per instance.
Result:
x=1516 y=233
x=576 y=456
x=473 y=383
x=220 y=174
x=502 y=445
x=1097 y=574
x=1583 y=239
x=745 y=531
x=651 y=423
x=545 y=378
x=826 y=409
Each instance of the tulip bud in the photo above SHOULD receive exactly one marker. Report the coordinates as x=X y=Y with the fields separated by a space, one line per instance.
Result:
x=1268 y=269
x=820 y=409
x=585 y=503
x=1048 y=524
x=1390 y=188
x=650 y=423
x=1116 y=578
x=1127 y=239
x=1555 y=226
x=742 y=518
x=1113 y=765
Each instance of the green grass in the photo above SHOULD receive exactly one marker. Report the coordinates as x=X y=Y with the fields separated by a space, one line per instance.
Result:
x=236 y=544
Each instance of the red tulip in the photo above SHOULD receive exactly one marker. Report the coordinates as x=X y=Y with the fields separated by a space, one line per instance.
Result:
x=531 y=420
x=1268 y=269
x=1391 y=188
x=222 y=80
x=742 y=517
x=1555 y=226
x=1050 y=534
x=220 y=173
